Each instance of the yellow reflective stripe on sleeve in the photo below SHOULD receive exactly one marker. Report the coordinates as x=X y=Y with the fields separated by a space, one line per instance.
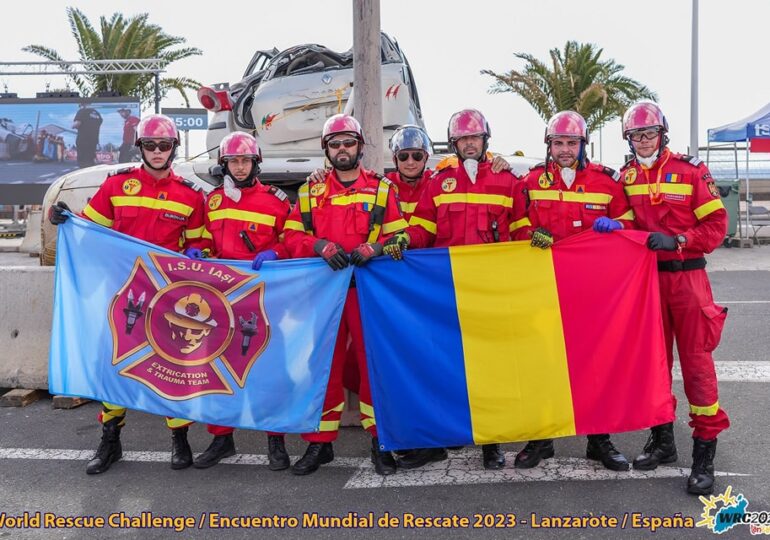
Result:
x=408 y=207
x=393 y=226
x=473 y=198
x=338 y=408
x=628 y=216
x=303 y=194
x=424 y=223
x=293 y=225
x=176 y=423
x=195 y=233
x=207 y=235
x=96 y=217
x=525 y=222
x=710 y=410
x=154 y=204
x=344 y=200
x=670 y=188
x=569 y=196
x=366 y=409
x=242 y=215
x=708 y=208
x=366 y=423
x=329 y=425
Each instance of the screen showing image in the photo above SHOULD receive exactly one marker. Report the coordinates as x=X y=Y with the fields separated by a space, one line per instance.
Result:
x=44 y=138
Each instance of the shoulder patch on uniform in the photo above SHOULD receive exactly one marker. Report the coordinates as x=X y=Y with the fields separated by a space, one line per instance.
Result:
x=612 y=173
x=191 y=185
x=387 y=181
x=279 y=193
x=124 y=170
x=692 y=160
x=628 y=164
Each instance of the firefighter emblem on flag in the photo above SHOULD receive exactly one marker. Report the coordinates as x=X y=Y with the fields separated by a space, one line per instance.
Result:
x=177 y=331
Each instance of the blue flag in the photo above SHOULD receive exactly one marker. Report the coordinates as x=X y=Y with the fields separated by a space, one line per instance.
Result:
x=212 y=341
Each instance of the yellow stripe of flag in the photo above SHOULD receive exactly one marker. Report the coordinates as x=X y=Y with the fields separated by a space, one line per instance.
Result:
x=505 y=389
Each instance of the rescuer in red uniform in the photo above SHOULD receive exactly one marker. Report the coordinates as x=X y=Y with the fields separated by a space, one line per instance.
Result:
x=244 y=220
x=344 y=218
x=462 y=205
x=674 y=197
x=568 y=195
x=150 y=203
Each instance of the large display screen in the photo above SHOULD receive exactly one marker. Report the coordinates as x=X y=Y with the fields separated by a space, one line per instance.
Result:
x=43 y=138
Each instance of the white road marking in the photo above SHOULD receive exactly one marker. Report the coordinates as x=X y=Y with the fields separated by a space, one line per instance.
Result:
x=743 y=302
x=152 y=457
x=735 y=371
x=462 y=467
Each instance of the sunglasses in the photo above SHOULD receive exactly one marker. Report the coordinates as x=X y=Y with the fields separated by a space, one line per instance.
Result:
x=648 y=134
x=163 y=146
x=416 y=155
x=347 y=143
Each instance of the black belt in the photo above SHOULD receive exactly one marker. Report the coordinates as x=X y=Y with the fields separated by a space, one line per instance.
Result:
x=679 y=266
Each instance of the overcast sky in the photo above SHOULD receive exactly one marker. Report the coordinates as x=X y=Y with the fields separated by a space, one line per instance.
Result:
x=449 y=42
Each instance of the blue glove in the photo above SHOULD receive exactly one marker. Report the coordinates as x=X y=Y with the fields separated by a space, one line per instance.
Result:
x=605 y=224
x=194 y=253
x=262 y=256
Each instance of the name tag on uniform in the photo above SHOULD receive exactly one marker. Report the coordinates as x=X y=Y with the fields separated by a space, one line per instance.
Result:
x=577 y=223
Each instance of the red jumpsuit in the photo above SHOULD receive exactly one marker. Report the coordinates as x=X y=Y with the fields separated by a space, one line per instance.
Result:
x=678 y=196
x=453 y=211
x=565 y=211
x=166 y=212
x=409 y=194
x=260 y=215
x=343 y=215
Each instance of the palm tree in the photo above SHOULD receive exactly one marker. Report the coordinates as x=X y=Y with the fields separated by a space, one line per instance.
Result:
x=123 y=38
x=576 y=80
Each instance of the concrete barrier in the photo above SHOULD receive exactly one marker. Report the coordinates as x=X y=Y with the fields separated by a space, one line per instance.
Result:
x=31 y=243
x=26 y=311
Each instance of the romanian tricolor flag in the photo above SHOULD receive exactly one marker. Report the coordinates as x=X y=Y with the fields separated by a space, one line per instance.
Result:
x=505 y=342
x=672 y=178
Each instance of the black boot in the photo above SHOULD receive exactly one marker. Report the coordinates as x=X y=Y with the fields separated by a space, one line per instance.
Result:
x=492 y=456
x=421 y=456
x=384 y=464
x=600 y=448
x=276 y=453
x=660 y=448
x=109 y=450
x=223 y=446
x=316 y=455
x=181 y=453
x=533 y=453
x=701 y=481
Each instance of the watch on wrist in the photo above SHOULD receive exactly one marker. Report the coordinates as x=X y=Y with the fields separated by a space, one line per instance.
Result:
x=681 y=240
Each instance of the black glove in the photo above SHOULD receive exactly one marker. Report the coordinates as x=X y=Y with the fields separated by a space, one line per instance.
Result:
x=662 y=242
x=542 y=238
x=332 y=253
x=363 y=253
x=56 y=213
x=396 y=245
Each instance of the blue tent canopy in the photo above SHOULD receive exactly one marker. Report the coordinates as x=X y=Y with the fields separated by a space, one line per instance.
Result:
x=756 y=126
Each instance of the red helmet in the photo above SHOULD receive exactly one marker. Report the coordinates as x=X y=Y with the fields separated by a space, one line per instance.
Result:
x=156 y=126
x=466 y=123
x=643 y=115
x=341 y=123
x=239 y=144
x=566 y=124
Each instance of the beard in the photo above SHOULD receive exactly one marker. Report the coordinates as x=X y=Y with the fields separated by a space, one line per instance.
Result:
x=344 y=164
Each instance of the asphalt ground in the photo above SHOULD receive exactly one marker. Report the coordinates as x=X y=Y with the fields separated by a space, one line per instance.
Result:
x=43 y=453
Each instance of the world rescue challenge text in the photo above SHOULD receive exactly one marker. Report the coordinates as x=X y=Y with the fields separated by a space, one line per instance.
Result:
x=351 y=520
